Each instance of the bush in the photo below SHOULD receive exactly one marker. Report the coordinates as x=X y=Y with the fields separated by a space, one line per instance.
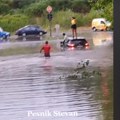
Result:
x=4 y=8
x=13 y=22
x=64 y=18
x=36 y=9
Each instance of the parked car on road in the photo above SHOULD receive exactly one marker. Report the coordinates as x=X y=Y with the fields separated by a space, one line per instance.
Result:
x=100 y=24
x=4 y=34
x=30 y=30
x=80 y=42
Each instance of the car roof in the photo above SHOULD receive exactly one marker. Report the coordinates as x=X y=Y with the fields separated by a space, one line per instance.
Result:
x=99 y=19
x=78 y=38
x=29 y=26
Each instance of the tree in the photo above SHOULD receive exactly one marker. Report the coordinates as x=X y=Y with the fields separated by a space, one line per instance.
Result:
x=104 y=6
x=21 y=3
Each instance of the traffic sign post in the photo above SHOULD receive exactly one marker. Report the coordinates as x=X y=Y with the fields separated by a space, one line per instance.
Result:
x=49 y=9
x=49 y=16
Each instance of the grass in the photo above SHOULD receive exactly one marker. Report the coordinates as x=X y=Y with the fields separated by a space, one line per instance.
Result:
x=63 y=18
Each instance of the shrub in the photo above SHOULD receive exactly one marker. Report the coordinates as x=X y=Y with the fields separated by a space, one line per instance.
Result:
x=13 y=22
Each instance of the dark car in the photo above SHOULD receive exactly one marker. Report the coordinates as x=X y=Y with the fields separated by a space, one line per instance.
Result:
x=75 y=43
x=30 y=30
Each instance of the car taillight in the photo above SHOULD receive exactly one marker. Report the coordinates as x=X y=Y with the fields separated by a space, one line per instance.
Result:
x=86 y=47
x=71 y=48
x=71 y=45
x=86 y=44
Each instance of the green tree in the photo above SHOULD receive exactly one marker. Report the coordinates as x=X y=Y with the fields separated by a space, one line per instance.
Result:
x=105 y=8
x=21 y=3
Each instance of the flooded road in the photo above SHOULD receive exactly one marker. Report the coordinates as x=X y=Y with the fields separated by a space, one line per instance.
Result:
x=35 y=88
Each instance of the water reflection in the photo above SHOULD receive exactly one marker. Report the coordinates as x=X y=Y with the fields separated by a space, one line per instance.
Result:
x=107 y=92
x=102 y=38
x=34 y=85
x=29 y=38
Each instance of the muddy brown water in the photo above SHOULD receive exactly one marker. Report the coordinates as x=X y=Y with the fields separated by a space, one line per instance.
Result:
x=35 y=88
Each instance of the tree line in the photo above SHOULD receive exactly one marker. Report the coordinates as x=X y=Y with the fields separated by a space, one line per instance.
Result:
x=37 y=8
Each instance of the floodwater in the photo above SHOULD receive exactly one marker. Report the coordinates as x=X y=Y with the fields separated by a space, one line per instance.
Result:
x=35 y=88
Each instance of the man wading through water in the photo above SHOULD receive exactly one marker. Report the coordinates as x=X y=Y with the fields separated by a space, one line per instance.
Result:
x=46 y=48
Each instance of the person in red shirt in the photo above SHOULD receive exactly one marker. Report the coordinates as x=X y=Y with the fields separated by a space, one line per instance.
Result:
x=46 y=48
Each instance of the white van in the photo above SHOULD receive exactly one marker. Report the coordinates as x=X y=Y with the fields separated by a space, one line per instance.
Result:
x=100 y=24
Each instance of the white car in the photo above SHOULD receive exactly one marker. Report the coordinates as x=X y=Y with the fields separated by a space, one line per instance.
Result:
x=100 y=24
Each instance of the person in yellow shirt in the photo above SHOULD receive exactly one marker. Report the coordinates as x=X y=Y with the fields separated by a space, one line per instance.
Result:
x=74 y=27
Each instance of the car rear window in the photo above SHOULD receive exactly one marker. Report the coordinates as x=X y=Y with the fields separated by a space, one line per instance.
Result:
x=78 y=40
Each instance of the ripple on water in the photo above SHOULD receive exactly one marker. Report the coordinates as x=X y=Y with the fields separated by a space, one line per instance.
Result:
x=34 y=85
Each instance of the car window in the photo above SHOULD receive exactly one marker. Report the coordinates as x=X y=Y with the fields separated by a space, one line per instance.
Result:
x=102 y=22
x=37 y=27
x=78 y=41
x=32 y=28
x=27 y=28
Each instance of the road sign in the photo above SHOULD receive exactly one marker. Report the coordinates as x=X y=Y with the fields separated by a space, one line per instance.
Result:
x=49 y=9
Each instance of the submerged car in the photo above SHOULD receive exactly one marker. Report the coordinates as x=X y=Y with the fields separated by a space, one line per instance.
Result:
x=71 y=43
x=4 y=34
x=30 y=30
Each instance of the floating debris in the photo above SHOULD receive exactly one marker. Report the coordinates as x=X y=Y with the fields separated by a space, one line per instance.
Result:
x=82 y=71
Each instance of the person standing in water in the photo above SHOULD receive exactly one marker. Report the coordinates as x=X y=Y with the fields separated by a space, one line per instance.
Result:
x=46 y=48
x=65 y=37
x=74 y=27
